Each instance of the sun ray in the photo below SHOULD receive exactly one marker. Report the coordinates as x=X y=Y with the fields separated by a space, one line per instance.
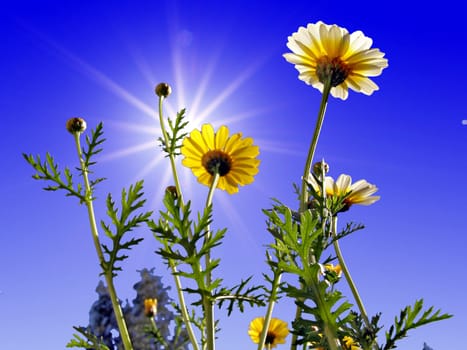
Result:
x=92 y=72
x=130 y=150
x=229 y=90
x=137 y=127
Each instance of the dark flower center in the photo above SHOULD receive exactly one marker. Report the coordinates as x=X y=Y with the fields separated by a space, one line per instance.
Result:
x=270 y=338
x=334 y=68
x=217 y=162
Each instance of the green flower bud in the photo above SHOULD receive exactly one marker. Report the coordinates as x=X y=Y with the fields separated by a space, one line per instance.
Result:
x=76 y=125
x=163 y=90
x=172 y=190
x=318 y=166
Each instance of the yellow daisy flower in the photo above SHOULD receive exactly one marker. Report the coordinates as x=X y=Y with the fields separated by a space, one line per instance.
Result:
x=277 y=331
x=350 y=344
x=150 y=307
x=234 y=157
x=360 y=192
x=320 y=50
x=337 y=269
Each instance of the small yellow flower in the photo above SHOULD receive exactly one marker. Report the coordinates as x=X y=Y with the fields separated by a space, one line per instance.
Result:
x=334 y=268
x=234 y=157
x=320 y=51
x=360 y=192
x=277 y=331
x=150 y=307
x=350 y=344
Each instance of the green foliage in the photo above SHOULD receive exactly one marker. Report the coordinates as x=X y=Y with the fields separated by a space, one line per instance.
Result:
x=49 y=170
x=408 y=320
x=347 y=230
x=175 y=134
x=239 y=295
x=93 y=145
x=89 y=341
x=123 y=223
x=299 y=244
x=188 y=242
x=361 y=333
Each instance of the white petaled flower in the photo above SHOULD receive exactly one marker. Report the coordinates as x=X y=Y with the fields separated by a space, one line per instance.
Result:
x=321 y=51
x=360 y=192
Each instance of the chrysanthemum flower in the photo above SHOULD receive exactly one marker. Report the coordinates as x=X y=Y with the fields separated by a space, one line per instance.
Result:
x=277 y=331
x=360 y=192
x=234 y=157
x=337 y=269
x=321 y=50
x=350 y=344
x=150 y=307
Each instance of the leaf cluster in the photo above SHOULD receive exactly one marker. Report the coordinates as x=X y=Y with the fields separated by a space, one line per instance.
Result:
x=411 y=317
x=188 y=243
x=238 y=295
x=90 y=341
x=175 y=134
x=299 y=244
x=124 y=220
x=48 y=169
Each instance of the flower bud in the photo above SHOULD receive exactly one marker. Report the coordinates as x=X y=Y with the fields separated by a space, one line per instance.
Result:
x=172 y=190
x=76 y=125
x=163 y=90
x=150 y=307
x=318 y=167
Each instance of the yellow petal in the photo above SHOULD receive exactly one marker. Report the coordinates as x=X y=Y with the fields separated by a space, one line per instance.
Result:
x=221 y=137
x=208 y=136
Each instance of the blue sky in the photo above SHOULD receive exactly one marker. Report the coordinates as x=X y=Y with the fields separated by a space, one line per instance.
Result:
x=224 y=62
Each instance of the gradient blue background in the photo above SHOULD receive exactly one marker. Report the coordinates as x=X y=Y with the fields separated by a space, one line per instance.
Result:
x=225 y=64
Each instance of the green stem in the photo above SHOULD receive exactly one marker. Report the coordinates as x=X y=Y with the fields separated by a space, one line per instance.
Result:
x=314 y=142
x=171 y=155
x=157 y=333
x=208 y=303
x=311 y=281
x=183 y=308
x=95 y=236
x=173 y=267
x=346 y=272
x=272 y=300
x=308 y=164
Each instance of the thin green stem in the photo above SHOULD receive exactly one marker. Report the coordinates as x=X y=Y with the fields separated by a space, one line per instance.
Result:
x=272 y=300
x=314 y=141
x=208 y=303
x=346 y=272
x=308 y=164
x=171 y=155
x=95 y=236
x=183 y=308
x=173 y=267
x=157 y=333
x=331 y=337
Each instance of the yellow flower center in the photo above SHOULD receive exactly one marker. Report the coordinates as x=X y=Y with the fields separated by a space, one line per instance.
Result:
x=332 y=67
x=217 y=162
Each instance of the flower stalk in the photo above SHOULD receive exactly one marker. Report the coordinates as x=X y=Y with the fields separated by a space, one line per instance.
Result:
x=308 y=164
x=173 y=267
x=267 y=318
x=124 y=334
x=171 y=155
x=208 y=303
x=346 y=272
x=314 y=141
